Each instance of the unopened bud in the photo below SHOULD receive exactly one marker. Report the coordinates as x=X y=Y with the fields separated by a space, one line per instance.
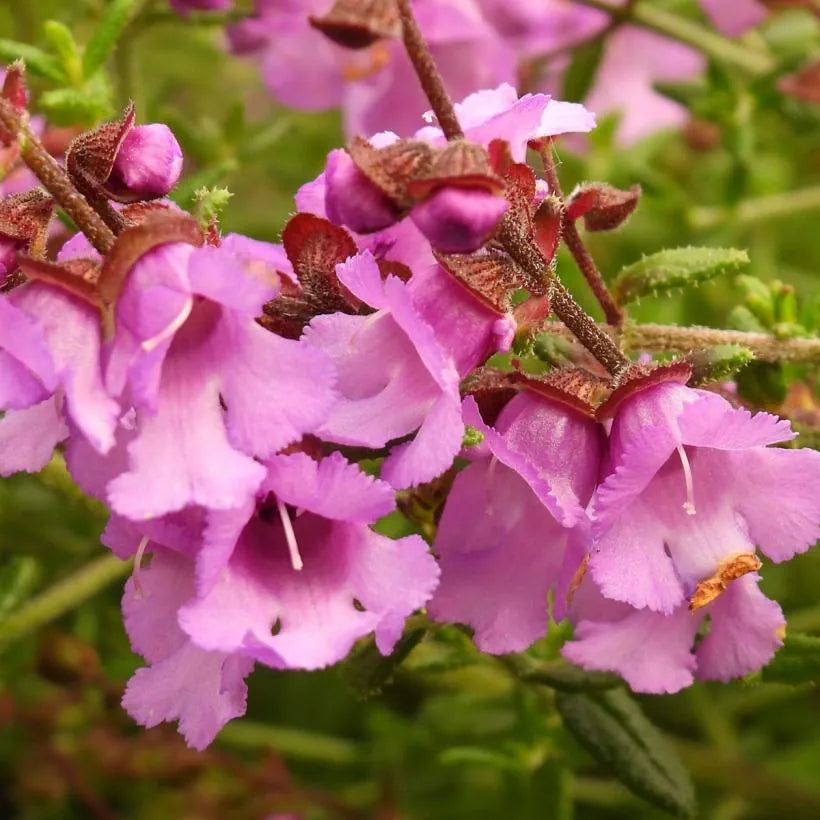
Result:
x=149 y=161
x=459 y=220
x=351 y=199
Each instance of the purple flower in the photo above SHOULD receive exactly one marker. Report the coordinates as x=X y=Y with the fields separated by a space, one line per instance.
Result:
x=187 y=346
x=693 y=489
x=149 y=161
x=394 y=377
x=459 y=220
x=292 y=582
x=510 y=517
x=375 y=86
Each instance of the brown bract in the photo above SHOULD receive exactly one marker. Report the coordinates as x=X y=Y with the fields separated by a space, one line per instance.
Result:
x=492 y=390
x=602 y=206
x=728 y=570
x=358 y=23
x=638 y=377
x=90 y=158
x=489 y=274
x=460 y=164
x=573 y=387
x=25 y=218
x=547 y=225
x=393 y=167
x=79 y=277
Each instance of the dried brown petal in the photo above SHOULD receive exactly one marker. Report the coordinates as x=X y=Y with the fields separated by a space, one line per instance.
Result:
x=359 y=23
x=728 y=570
x=639 y=377
x=393 y=167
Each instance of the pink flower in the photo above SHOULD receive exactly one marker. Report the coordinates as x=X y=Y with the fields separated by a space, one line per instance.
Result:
x=510 y=517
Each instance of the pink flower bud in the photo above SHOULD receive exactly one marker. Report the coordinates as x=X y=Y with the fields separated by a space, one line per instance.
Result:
x=459 y=220
x=351 y=199
x=149 y=161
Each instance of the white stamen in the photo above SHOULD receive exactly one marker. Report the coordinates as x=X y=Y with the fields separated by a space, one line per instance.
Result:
x=689 y=504
x=135 y=573
x=170 y=329
x=290 y=536
x=490 y=480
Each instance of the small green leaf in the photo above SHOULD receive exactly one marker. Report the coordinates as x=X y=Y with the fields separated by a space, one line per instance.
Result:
x=580 y=74
x=798 y=661
x=37 y=61
x=481 y=756
x=74 y=106
x=674 y=268
x=718 y=363
x=17 y=580
x=104 y=39
x=612 y=728
x=367 y=671
x=560 y=675
x=472 y=436
x=62 y=43
x=210 y=204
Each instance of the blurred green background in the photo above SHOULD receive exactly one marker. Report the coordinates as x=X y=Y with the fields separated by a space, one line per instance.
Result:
x=454 y=735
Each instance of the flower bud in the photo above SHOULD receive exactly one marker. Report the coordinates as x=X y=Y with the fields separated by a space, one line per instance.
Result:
x=148 y=162
x=459 y=220
x=351 y=199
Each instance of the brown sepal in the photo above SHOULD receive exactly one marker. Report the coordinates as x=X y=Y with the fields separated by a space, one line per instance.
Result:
x=531 y=314
x=547 y=225
x=520 y=189
x=90 y=157
x=15 y=89
x=804 y=84
x=489 y=274
x=391 y=168
x=459 y=164
x=573 y=387
x=639 y=377
x=137 y=212
x=492 y=391
x=500 y=157
x=158 y=228
x=78 y=277
x=314 y=247
x=602 y=206
x=289 y=312
x=359 y=23
x=730 y=569
x=25 y=218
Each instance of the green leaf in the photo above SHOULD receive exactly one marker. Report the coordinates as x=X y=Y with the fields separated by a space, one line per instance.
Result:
x=74 y=106
x=560 y=675
x=798 y=661
x=674 y=268
x=580 y=74
x=104 y=39
x=367 y=671
x=612 y=728
x=718 y=363
x=62 y=43
x=17 y=580
x=37 y=61
x=481 y=756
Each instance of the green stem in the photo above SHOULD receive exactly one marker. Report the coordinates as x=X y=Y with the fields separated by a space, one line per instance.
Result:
x=64 y=596
x=759 y=209
x=685 y=31
x=288 y=742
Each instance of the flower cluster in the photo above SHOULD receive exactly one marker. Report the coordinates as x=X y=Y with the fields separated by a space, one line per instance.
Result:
x=216 y=393
x=477 y=44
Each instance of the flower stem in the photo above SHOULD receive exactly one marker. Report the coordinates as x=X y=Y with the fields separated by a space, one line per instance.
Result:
x=64 y=596
x=580 y=253
x=431 y=81
x=697 y=36
x=654 y=338
x=758 y=209
x=516 y=241
x=55 y=180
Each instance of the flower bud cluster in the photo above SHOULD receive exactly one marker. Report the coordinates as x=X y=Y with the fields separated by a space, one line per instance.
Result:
x=216 y=393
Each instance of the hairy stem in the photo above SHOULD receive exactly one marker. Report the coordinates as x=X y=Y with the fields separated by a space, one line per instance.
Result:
x=429 y=76
x=655 y=338
x=698 y=37
x=55 y=180
x=580 y=253
x=64 y=596
x=518 y=243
